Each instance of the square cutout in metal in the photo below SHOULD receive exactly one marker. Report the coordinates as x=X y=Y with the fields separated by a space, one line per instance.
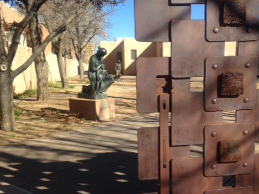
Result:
x=238 y=158
x=230 y=83
x=232 y=20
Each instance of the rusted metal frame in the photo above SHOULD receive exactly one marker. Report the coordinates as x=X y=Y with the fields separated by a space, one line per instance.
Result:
x=189 y=37
x=153 y=79
x=189 y=118
x=219 y=29
x=215 y=66
x=188 y=177
x=250 y=116
x=153 y=19
x=250 y=48
x=164 y=145
x=244 y=133
x=240 y=190
x=148 y=153
x=251 y=179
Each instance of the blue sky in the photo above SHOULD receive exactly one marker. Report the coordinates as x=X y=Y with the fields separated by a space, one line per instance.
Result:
x=124 y=23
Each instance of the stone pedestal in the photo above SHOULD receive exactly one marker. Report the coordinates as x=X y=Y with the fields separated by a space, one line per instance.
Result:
x=93 y=109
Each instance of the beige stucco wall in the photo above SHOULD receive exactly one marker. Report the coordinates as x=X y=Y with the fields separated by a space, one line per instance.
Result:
x=110 y=59
x=230 y=48
x=27 y=79
x=144 y=49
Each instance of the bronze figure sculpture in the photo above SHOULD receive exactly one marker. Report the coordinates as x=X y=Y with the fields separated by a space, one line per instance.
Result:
x=99 y=79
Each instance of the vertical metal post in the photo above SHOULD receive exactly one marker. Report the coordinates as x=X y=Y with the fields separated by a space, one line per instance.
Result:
x=164 y=144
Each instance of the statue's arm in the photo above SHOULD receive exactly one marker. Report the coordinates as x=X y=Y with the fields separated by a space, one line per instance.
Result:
x=94 y=65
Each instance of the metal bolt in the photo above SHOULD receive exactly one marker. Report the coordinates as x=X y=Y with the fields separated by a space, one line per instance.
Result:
x=245 y=165
x=213 y=134
x=248 y=65
x=214 y=66
x=213 y=166
x=246 y=100
x=249 y=30
x=245 y=132
x=215 y=30
x=214 y=101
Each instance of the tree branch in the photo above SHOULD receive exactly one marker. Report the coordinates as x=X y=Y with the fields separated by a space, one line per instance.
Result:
x=18 y=32
x=41 y=48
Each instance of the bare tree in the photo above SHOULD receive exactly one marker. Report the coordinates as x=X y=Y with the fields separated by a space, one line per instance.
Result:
x=91 y=24
x=7 y=75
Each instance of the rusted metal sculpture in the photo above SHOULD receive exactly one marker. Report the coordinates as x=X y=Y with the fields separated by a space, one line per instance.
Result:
x=163 y=85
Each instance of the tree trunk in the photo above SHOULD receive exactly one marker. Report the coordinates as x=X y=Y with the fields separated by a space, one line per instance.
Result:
x=42 y=70
x=81 y=66
x=40 y=62
x=7 y=118
x=59 y=52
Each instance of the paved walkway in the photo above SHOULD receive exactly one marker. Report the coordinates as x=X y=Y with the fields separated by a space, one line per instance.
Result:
x=96 y=160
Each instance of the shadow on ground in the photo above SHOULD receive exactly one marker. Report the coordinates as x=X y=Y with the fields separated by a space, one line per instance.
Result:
x=106 y=173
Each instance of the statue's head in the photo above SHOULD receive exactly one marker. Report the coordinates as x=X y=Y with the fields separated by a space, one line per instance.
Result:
x=101 y=52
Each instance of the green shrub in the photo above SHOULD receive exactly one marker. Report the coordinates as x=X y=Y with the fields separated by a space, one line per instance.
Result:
x=72 y=87
x=55 y=85
x=30 y=92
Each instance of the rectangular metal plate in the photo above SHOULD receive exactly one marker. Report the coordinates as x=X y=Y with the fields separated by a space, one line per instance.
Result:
x=226 y=33
x=148 y=153
x=251 y=179
x=250 y=116
x=214 y=134
x=249 y=48
x=188 y=178
x=189 y=118
x=148 y=168
x=187 y=1
x=240 y=190
x=188 y=37
x=150 y=72
x=237 y=64
x=153 y=19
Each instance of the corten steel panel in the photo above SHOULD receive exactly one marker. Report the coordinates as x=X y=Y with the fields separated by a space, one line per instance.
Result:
x=251 y=179
x=153 y=19
x=190 y=48
x=148 y=71
x=244 y=132
x=215 y=66
x=217 y=31
x=148 y=153
x=240 y=190
x=187 y=1
x=250 y=116
x=189 y=118
x=188 y=177
x=249 y=48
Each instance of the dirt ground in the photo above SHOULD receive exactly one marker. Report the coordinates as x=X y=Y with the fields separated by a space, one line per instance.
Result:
x=37 y=119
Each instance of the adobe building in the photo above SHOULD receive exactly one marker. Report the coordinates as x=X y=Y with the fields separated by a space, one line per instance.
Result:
x=128 y=50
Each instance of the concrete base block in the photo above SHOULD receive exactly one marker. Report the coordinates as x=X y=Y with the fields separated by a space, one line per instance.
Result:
x=93 y=109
